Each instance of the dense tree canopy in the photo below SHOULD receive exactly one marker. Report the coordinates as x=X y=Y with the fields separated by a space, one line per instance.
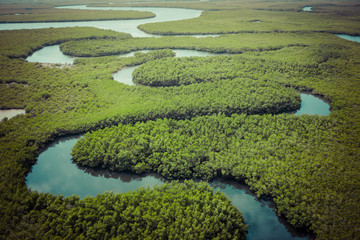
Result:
x=172 y=211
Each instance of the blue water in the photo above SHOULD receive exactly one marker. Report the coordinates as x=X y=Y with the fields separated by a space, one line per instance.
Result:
x=350 y=38
x=55 y=173
x=313 y=105
x=127 y=26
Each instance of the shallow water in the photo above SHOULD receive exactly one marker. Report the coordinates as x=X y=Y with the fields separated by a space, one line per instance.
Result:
x=127 y=26
x=125 y=75
x=313 y=105
x=55 y=173
x=307 y=9
x=10 y=113
x=51 y=54
x=350 y=38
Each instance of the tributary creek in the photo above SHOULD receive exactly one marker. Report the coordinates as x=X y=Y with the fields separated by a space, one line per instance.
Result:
x=52 y=54
x=55 y=172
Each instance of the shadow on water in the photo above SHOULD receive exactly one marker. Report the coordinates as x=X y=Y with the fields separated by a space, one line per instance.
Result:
x=259 y=213
x=125 y=177
x=56 y=173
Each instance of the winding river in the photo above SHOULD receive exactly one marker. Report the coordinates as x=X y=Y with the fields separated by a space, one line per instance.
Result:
x=52 y=54
x=55 y=172
x=127 y=26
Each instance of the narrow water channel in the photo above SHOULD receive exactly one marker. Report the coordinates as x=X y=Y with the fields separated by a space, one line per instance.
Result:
x=55 y=173
x=127 y=26
x=349 y=37
x=50 y=54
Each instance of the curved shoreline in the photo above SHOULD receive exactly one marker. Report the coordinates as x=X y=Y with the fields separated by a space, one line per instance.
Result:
x=75 y=20
x=217 y=183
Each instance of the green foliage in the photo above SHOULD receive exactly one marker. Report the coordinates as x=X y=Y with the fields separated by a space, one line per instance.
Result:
x=36 y=38
x=62 y=15
x=202 y=147
x=172 y=211
x=234 y=43
x=283 y=156
x=246 y=20
x=185 y=71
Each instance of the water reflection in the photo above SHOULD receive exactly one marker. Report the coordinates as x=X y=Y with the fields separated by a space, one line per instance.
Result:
x=55 y=173
x=258 y=213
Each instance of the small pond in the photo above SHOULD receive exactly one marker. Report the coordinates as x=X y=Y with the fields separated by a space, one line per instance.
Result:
x=307 y=9
x=311 y=104
x=55 y=173
x=10 y=113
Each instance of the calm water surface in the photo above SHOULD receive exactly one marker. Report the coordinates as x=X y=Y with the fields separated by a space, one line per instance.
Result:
x=125 y=75
x=313 y=105
x=55 y=173
x=127 y=26
x=51 y=54
x=10 y=113
x=350 y=38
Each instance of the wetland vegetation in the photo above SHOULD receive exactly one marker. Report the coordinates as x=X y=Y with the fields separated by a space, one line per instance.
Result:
x=68 y=15
x=190 y=118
